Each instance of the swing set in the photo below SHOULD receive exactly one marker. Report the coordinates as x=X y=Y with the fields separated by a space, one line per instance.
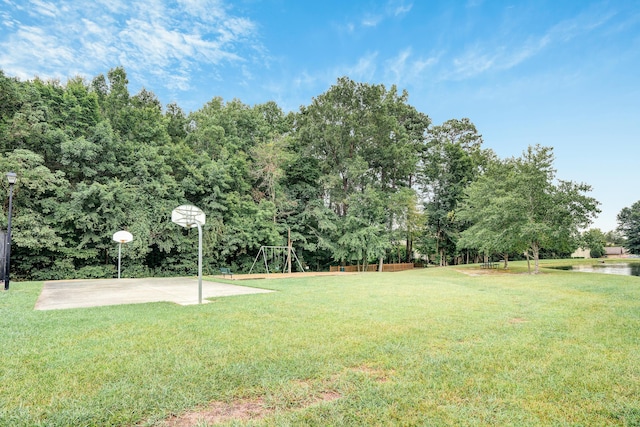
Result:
x=277 y=259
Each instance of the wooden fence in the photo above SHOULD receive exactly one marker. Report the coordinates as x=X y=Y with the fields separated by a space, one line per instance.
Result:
x=372 y=267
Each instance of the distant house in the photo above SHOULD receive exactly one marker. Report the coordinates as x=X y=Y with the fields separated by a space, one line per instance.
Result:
x=581 y=253
x=609 y=252
x=614 y=251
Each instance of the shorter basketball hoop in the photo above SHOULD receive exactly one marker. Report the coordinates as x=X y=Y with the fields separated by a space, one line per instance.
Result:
x=121 y=237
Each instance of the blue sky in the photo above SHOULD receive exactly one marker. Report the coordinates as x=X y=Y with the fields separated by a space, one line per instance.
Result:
x=561 y=73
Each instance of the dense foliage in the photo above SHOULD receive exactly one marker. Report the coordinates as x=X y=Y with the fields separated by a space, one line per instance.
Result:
x=595 y=240
x=357 y=176
x=518 y=206
x=629 y=226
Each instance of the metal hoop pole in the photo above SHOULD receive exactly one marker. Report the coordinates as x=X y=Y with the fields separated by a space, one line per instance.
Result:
x=119 y=257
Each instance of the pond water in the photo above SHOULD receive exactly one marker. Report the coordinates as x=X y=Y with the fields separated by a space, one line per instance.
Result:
x=625 y=269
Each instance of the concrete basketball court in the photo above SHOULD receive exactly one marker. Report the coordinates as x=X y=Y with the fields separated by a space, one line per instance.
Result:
x=62 y=294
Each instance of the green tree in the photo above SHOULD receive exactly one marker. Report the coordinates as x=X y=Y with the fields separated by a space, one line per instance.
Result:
x=268 y=167
x=39 y=193
x=614 y=238
x=487 y=208
x=362 y=135
x=528 y=205
x=313 y=225
x=451 y=160
x=176 y=123
x=594 y=240
x=366 y=140
x=629 y=226
x=364 y=235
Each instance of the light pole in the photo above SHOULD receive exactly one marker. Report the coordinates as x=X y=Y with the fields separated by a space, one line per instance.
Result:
x=12 y=178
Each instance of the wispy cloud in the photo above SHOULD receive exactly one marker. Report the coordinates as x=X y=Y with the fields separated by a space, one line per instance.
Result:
x=375 y=16
x=149 y=38
x=371 y=20
x=363 y=69
x=404 y=69
x=492 y=55
x=399 y=7
x=39 y=7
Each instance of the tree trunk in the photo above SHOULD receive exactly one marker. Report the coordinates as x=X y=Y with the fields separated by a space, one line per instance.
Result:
x=380 y=265
x=526 y=253
x=536 y=257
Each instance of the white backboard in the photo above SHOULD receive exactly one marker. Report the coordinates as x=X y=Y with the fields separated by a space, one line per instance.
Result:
x=122 y=236
x=188 y=216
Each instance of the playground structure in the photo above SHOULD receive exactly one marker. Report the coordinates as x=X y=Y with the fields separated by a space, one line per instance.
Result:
x=277 y=259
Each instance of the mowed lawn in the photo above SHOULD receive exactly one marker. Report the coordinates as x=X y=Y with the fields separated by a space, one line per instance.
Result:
x=436 y=346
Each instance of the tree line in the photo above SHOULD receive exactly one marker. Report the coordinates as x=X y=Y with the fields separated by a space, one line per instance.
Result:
x=357 y=176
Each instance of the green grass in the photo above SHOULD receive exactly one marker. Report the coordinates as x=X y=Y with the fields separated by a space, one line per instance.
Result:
x=423 y=347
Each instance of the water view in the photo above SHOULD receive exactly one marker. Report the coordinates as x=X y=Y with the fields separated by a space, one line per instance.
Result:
x=625 y=269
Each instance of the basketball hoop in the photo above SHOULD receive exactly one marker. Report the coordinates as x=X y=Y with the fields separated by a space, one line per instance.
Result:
x=189 y=216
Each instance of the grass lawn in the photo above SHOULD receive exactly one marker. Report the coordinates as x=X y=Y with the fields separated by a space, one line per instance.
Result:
x=439 y=346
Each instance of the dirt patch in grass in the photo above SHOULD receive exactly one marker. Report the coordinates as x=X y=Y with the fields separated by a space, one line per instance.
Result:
x=240 y=410
x=490 y=271
x=479 y=272
x=515 y=320
x=298 y=395
x=378 y=375
x=219 y=412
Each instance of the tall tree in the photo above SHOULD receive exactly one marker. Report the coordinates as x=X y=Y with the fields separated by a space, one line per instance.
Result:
x=268 y=167
x=614 y=237
x=452 y=158
x=487 y=208
x=364 y=234
x=37 y=237
x=629 y=226
x=526 y=203
x=366 y=139
x=362 y=135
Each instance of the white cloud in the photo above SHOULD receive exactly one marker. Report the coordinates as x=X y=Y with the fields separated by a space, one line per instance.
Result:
x=363 y=70
x=302 y=80
x=396 y=67
x=112 y=6
x=19 y=59
x=371 y=20
x=472 y=63
x=510 y=52
x=405 y=70
x=39 y=7
x=207 y=10
x=148 y=37
x=399 y=7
